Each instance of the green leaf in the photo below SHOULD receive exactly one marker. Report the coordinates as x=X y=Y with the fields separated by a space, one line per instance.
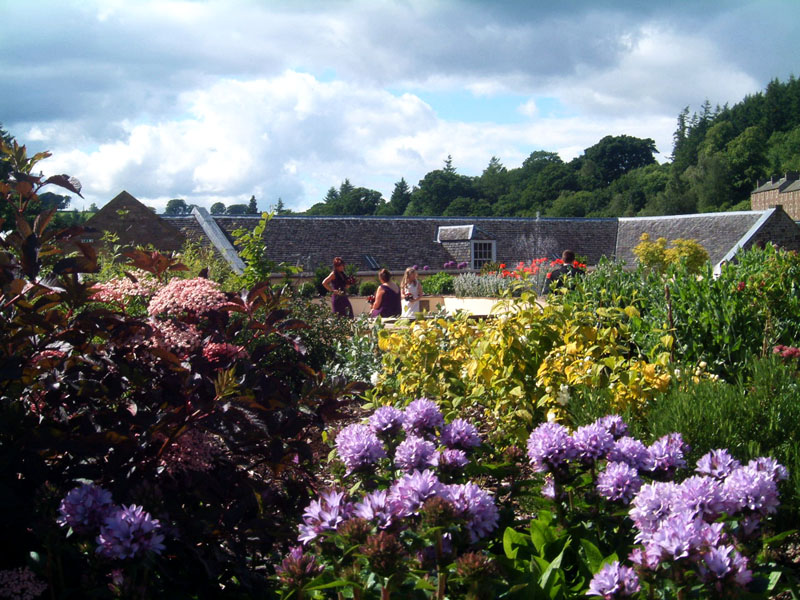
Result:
x=593 y=555
x=512 y=541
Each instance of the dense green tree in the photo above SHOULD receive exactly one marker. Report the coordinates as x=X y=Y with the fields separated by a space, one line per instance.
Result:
x=494 y=181
x=218 y=208
x=468 y=207
x=252 y=206
x=746 y=155
x=348 y=200
x=438 y=189
x=279 y=208
x=783 y=151
x=616 y=155
x=177 y=207
x=238 y=209
x=401 y=196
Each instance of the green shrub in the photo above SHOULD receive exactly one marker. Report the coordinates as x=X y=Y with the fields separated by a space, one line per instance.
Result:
x=756 y=415
x=367 y=288
x=439 y=284
x=307 y=289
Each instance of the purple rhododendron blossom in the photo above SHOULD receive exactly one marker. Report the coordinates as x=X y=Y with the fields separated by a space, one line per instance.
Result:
x=478 y=508
x=614 y=581
x=325 y=514
x=85 y=508
x=452 y=459
x=717 y=463
x=632 y=452
x=592 y=442
x=460 y=433
x=668 y=453
x=386 y=420
x=375 y=507
x=724 y=562
x=618 y=482
x=359 y=447
x=652 y=504
x=550 y=446
x=407 y=494
x=755 y=490
x=130 y=532
x=415 y=453
x=614 y=425
x=702 y=497
x=768 y=464
x=422 y=417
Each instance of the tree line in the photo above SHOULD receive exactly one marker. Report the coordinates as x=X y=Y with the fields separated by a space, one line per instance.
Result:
x=718 y=156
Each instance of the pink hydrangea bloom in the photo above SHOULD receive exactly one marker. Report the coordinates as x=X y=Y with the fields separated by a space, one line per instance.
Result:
x=198 y=295
x=223 y=354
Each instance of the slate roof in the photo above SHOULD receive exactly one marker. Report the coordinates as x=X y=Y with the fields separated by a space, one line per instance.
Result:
x=399 y=242
x=716 y=232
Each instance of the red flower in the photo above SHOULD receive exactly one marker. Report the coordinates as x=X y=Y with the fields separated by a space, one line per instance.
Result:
x=741 y=286
x=502 y=265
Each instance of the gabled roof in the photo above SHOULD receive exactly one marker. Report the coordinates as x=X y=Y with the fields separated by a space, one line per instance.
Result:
x=135 y=224
x=716 y=232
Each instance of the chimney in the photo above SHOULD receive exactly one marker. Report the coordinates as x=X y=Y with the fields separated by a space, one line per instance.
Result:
x=775 y=179
x=792 y=175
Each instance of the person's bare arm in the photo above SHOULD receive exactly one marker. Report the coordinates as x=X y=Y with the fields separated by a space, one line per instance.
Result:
x=378 y=298
x=326 y=283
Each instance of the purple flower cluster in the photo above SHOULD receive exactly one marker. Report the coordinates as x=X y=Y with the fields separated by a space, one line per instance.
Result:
x=386 y=420
x=125 y=532
x=325 y=514
x=398 y=506
x=618 y=482
x=85 y=508
x=130 y=532
x=422 y=418
x=676 y=522
x=450 y=264
x=614 y=581
x=359 y=447
x=460 y=434
x=551 y=448
x=415 y=453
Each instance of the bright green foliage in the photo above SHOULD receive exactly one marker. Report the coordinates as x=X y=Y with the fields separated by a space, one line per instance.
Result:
x=251 y=248
x=367 y=288
x=438 y=284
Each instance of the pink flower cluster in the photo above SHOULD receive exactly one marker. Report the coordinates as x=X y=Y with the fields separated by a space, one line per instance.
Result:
x=223 y=354
x=787 y=351
x=175 y=336
x=21 y=584
x=179 y=296
x=120 y=289
x=192 y=451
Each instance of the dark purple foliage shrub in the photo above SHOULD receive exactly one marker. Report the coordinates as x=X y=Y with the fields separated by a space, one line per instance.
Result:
x=197 y=419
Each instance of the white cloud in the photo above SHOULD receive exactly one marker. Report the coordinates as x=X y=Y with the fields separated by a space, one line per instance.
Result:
x=220 y=99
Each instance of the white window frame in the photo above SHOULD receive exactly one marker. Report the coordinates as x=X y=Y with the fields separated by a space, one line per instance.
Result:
x=483 y=259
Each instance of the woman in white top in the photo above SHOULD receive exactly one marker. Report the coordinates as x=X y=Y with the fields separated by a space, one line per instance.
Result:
x=411 y=288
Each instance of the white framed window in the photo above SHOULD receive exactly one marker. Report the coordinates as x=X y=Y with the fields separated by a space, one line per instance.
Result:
x=482 y=252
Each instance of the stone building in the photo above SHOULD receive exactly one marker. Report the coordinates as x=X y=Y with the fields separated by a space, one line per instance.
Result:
x=783 y=191
x=398 y=242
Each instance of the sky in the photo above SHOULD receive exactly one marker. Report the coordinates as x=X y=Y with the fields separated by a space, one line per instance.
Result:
x=218 y=100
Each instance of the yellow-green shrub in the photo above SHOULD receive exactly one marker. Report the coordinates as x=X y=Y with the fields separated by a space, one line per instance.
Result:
x=656 y=255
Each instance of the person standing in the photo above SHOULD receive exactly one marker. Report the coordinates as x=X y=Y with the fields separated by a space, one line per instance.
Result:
x=561 y=275
x=336 y=283
x=411 y=289
x=387 y=297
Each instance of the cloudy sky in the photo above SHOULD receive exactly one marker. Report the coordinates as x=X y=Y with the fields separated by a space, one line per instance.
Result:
x=223 y=99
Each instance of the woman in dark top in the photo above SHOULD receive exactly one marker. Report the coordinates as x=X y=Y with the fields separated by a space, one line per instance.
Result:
x=387 y=297
x=336 y=283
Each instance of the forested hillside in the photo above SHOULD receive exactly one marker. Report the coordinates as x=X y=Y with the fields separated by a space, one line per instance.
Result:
x=718 y=156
